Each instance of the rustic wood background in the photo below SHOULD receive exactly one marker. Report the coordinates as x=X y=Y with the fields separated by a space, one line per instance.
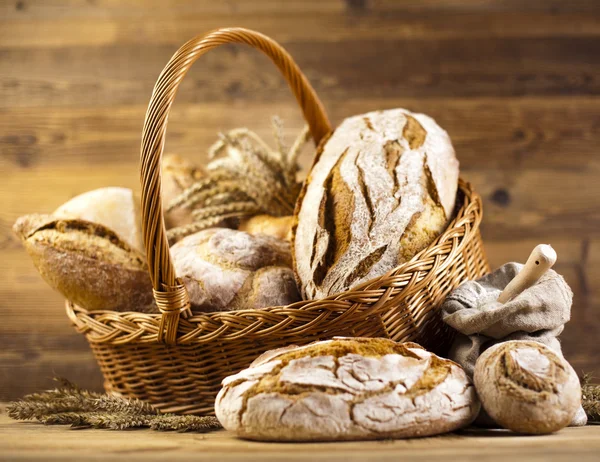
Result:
x=516 y=84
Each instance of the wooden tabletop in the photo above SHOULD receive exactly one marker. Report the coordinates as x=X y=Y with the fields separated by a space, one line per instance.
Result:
x=32 y=441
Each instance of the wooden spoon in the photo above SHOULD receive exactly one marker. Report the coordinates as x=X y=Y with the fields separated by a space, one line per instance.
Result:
x=541 y=260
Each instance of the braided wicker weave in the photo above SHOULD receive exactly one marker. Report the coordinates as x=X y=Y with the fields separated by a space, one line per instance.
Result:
x=176 y=360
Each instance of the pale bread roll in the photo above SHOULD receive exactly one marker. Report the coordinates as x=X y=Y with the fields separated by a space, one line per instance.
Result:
x=347 y=389
x=116 y=208
x=382 y=189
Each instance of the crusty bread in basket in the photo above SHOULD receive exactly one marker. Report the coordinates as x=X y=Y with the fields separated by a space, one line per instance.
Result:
x=176 y=360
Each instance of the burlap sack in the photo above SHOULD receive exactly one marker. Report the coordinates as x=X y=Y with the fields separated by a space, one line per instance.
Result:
x=538 y=313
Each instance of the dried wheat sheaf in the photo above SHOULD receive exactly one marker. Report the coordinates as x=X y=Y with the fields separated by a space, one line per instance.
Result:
x=245 y=177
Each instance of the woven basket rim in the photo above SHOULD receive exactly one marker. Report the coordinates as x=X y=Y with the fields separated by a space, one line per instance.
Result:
x=365 y=300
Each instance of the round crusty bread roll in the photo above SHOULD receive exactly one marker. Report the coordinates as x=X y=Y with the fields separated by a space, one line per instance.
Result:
x=87 y=263
x=225 y=269
x=347 y=389
x=526 y=387
x=116 y=208
x=382 y=189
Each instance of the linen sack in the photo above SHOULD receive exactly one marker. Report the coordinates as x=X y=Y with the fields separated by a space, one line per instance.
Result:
x=538 y=313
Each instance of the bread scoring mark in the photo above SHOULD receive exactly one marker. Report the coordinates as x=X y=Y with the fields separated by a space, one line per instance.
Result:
x=318 y=236
x=413 y=132
x=523 y=381
x=430 y=184
x=86 y=227
x=366 y=194
x=368 y=123
x=335 y=218
x=393 y=152
x=365 y=265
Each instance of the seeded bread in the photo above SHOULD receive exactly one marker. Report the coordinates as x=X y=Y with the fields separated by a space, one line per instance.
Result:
x=526 y=387
x=382 y=189
x=87 y=263
x=347 y=389
x=225 y=269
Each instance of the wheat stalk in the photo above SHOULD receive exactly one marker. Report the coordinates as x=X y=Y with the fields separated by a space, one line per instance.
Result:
x=246 y=177
x=70 y=405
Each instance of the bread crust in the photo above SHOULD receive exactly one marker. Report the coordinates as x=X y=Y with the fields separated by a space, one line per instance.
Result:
x=87 y=263
x=526 y=387
x=383 y=187
x=225 y=269
x=347 y=389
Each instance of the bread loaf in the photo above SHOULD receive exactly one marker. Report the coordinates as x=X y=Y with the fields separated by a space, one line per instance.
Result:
x=347 y=389
x=87 y=263
x=118 y=209
x=526 y=387
x=225 y=269
x=382 y=189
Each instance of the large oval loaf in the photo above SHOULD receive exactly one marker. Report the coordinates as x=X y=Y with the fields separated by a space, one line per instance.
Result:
x=347 y=389
x=382 y=189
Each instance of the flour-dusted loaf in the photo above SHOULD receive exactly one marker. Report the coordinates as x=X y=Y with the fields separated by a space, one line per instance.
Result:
x=225 y=269
x=382 y=189
x=347 y=389
x=527 y=387
x=87 y=263
x=116 y=208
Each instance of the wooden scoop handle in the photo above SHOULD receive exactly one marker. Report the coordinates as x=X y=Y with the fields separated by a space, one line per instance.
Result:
x=541 y=260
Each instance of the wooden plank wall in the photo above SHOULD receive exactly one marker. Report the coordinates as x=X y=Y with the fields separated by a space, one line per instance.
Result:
x=515 y=83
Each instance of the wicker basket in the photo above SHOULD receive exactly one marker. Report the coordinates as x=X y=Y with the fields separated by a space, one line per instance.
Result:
x=176 y=360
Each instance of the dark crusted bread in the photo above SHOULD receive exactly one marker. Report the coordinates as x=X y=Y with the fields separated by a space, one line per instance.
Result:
x=87 y=263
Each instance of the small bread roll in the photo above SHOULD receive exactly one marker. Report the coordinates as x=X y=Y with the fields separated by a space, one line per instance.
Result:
x=347 y=389
x=279 y=227
x=116 y=208
x=526 y=387
x=87 y=263
x=225 y=269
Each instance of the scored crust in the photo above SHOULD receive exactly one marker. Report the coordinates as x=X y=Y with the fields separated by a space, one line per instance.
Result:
x=383 y=187
x=346 y=389
x=526 y=387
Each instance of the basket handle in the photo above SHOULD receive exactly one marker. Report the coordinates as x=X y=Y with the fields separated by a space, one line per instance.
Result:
x=170 y=294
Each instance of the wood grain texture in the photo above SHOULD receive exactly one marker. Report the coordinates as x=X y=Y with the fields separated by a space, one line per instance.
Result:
x=31 y=441
x=516 y=84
